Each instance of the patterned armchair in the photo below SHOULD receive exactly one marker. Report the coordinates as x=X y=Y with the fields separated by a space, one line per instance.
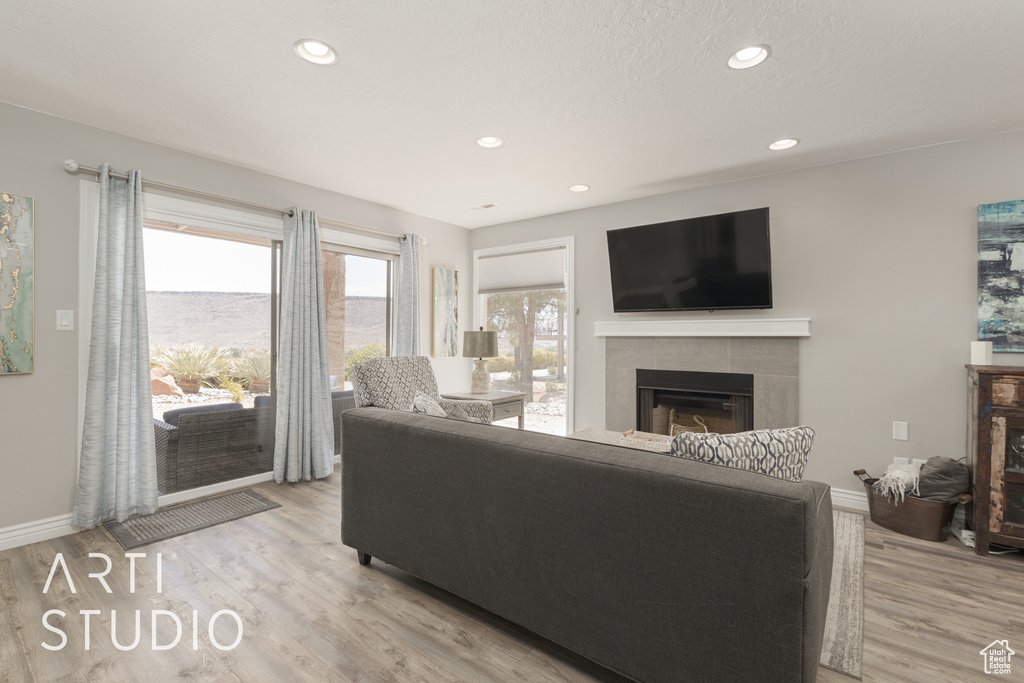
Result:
x=392 y=382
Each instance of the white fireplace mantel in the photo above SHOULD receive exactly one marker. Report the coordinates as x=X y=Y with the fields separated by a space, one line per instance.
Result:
x=727 y=327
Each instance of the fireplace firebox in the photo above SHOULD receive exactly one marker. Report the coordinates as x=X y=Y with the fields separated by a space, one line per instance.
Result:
x=670 y=401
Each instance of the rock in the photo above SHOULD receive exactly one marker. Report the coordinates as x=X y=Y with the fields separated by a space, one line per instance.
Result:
x=550 y=409
x=162 y=384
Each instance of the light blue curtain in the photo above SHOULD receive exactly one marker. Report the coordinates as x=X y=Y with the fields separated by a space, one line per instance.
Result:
x=117 y=473
x=407 y=297
x=304 y=447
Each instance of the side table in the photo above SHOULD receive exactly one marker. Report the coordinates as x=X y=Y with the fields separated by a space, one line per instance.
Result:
x=505 y=404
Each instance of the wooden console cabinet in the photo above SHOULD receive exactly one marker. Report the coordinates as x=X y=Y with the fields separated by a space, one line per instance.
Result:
x=995 y=453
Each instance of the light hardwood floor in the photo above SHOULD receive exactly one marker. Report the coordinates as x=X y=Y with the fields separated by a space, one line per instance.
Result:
x=310 y=612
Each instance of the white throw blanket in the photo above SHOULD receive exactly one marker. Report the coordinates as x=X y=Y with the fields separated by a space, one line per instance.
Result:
x=897 y=481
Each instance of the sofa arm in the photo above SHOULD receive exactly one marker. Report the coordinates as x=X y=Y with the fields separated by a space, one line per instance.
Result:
x=340 y=402
x=478 y=411
x=166 y=437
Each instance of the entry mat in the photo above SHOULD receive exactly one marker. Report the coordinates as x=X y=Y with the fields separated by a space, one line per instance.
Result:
x=188 y=517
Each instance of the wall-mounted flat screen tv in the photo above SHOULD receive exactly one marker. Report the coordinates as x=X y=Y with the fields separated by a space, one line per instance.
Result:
x=706 y=263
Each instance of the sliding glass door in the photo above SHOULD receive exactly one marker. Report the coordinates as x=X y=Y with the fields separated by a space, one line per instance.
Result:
x=532 y=336
x=209 y=297
x=213 y=324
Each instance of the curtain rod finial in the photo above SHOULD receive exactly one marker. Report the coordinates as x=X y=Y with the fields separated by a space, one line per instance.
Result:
x=71 y=166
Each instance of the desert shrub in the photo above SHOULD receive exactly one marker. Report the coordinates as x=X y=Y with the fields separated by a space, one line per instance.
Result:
x=232 y=385
x=501 y=364
x=253 y=368
x=361 y=355
x=192 y=362
x=544 y=359
x=551 y=386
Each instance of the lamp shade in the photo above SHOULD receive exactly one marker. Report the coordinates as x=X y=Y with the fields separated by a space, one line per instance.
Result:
x=480 y=344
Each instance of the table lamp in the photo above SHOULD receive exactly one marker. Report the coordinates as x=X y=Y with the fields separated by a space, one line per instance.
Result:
x=480 y=345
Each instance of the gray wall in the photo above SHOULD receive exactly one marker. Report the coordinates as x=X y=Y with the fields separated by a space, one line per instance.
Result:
x=880 y=253
x=38 y=412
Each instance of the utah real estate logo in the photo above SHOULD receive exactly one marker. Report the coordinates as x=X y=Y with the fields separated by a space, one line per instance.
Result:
x=997 y=657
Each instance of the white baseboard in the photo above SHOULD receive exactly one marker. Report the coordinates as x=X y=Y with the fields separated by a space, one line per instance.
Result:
x=855 y=500
x=33 y=532
x=55 y=527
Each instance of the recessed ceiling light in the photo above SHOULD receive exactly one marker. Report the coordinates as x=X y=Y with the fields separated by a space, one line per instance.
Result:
x=749 y=56
x=785 y=143
x=489 y=141
x=579 y=188
x=315 y=51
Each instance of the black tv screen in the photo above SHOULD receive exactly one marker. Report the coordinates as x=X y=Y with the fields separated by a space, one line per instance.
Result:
x=706 y=263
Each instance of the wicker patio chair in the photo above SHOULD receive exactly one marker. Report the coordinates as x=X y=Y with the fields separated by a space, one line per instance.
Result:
x=210 y=446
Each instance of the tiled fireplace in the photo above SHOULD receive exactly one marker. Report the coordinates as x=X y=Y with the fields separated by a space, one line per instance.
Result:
x=771 y=363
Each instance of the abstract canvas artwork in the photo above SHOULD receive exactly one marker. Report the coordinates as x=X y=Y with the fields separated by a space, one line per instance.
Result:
x=1001 y=275
x=17 y=321
x=446 y=313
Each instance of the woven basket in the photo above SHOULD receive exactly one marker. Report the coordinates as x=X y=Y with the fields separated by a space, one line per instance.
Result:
x=929 y=520
x=659 y=443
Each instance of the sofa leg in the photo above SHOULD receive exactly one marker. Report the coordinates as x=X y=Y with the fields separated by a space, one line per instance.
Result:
x=364 y=559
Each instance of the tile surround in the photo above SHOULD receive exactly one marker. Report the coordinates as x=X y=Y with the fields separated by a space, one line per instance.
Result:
x=773 y=361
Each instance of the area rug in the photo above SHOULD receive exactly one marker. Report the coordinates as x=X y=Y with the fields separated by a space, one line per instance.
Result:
x=843 y=647
x=188 y=517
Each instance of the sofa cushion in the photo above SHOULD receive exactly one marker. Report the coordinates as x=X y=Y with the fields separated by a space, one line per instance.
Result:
x=171 y=416
x=426 y=404
x=780 y=453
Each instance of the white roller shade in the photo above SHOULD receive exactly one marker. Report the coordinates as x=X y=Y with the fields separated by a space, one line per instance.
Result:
x=528 y=271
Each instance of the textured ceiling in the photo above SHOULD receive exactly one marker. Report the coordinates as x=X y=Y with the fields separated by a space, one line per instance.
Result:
x=631 y=98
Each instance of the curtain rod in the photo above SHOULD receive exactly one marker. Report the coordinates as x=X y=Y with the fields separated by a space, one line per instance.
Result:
x=72 y=167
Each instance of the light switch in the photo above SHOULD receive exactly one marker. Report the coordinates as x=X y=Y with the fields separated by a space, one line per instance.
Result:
x=65 y=320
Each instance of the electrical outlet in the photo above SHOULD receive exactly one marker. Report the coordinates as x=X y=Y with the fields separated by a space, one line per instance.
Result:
x=901 y=461
x=966 y=536
x=901 y=431
x=919 y=463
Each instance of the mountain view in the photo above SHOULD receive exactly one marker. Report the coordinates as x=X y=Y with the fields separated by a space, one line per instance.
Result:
x=242 y=320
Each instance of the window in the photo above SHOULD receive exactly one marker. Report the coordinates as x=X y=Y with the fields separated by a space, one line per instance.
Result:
x=358 y=290
x=525 y=295
x=212 y=273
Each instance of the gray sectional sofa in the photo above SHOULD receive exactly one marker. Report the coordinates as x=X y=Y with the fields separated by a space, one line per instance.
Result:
x=659 y=568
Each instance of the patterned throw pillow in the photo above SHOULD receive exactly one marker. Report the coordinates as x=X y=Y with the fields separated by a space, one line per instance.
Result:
x=457 y=413
x=778 y=453
x=426 y=404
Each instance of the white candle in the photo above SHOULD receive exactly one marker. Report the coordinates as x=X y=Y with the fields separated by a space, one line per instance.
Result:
x=981 y=353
